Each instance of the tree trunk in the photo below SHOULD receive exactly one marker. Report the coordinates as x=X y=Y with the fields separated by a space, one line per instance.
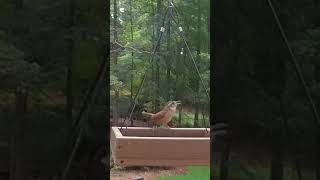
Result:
x=17 y=171
x=154 y=28
x=224 y=167
x=317 y=78
x=278 y=138
x=277 y=155
x=71 y=9
x=196 y=114
x=318 y=155
x=157 y=75
x=132 y=62
x=115 y=34
x=208 y=21
x=69 y=88
x=278 y=147
x=298 y=167
x=278 y=56
x=70 y=46
x=277 y=160
x=168 y=59
x=180 y=116
x=85 y=108
x=203 y=118
x=17 y=167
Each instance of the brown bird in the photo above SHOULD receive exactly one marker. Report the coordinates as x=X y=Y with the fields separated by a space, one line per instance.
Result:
x=164 y=117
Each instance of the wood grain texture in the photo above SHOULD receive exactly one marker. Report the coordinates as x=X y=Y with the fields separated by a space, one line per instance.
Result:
x=165 y=132
x=161 y=150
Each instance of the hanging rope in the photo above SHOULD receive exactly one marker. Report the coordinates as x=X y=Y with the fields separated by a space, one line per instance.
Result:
x=162 y=29
x=297 y=67
x=188 y=48
x=190 y=53
x=195 y=64
x=88 y=101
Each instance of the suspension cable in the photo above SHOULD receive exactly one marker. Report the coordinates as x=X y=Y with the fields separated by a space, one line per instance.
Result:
x=162 y=29
x=188 y=48
x=297 y=67
x=192 y=58
x=152 y=58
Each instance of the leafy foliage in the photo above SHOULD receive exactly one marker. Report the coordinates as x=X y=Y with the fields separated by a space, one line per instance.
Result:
x=137 y=35
x=257 y=89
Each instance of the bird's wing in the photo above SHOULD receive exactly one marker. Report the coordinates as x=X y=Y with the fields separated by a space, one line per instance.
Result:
x=147 y=114
x=159 y=115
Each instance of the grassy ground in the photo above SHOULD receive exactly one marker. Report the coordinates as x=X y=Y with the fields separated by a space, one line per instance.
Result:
x=194 y=173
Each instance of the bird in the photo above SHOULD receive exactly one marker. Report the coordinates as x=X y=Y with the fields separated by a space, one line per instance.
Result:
x=164 y=116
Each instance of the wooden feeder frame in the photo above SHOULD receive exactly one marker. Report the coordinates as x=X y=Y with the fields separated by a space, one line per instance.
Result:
x=142 y=146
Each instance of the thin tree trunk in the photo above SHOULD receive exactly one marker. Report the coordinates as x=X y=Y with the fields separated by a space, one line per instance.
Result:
x=17 y=139
x=154 y=27
x=318 y=155
x=90 y=96
x=196 y=114
x=277 y=159
x=180 y=116
x=69 y=88
x=132 y=62
x=279 y=55
x=168 y=59
x=176 y=95
x=159 y=7
x=70 y=46
x=115 y=34
x=224 y=167
x=277 y=145
x=203 y=118
x=278 y=138
x=298 y=167
x=158 y=86
x=208 y=21
x=296 y=162
x=17 y=167
x=317 y=77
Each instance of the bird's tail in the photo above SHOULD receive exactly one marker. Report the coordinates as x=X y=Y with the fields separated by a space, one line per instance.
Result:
x=147 y=114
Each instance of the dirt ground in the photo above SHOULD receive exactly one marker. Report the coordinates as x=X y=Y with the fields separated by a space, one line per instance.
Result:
x=145 y=172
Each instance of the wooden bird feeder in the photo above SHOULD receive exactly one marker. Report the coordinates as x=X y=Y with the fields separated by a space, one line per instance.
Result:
x=142 y=146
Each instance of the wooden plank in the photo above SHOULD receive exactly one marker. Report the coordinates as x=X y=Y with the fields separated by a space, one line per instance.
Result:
x=113 y=138
x=163 y=149
x=166 y=138
x=163 y=132
x=166 y=162
x=160 y=151
x=177 y=129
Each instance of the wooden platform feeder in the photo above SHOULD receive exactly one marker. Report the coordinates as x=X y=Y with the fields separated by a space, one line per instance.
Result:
x=141 y=146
